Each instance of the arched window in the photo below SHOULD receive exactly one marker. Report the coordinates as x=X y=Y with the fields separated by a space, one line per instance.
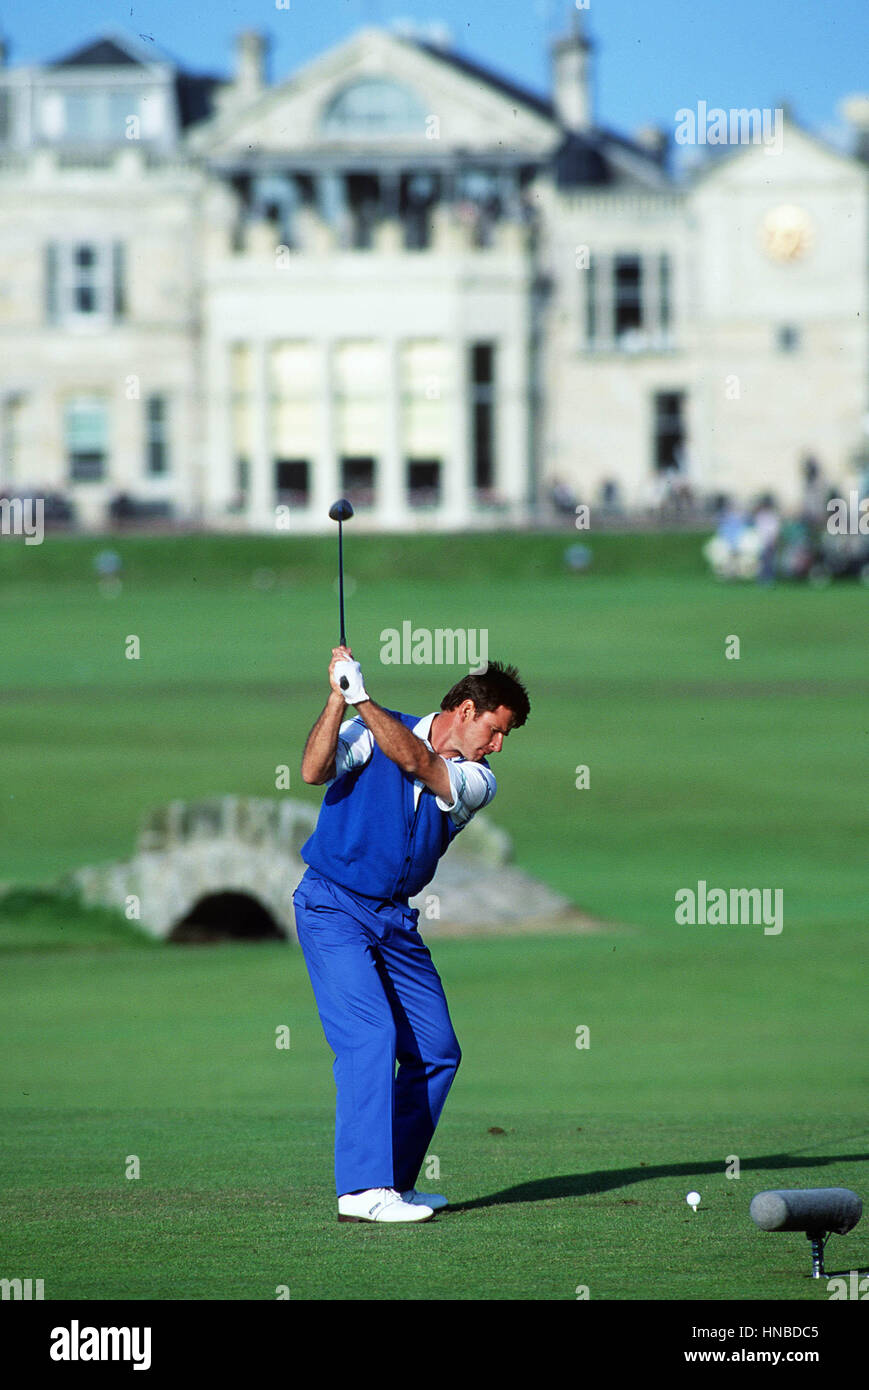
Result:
x=373 y=106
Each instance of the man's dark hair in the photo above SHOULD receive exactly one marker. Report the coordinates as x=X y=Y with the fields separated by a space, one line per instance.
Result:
x=497 y=685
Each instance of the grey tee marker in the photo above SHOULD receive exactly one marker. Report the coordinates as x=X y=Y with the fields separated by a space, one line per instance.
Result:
x=817 y=1211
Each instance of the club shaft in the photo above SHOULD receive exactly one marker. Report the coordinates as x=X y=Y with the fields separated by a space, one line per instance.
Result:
x=341 y=582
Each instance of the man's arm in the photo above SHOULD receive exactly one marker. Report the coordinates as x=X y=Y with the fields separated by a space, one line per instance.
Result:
x=318 y=759
x=406 y=750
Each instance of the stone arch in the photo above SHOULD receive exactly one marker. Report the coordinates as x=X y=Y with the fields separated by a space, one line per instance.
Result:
x=226 y=916
x=190 y=851
x=246 y=851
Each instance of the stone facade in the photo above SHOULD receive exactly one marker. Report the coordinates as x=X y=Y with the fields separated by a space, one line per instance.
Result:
x=399 y=277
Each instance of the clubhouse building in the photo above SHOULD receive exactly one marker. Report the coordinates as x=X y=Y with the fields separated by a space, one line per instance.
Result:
x=397 y=276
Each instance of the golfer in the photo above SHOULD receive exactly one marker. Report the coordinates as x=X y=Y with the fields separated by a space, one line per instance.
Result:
x=400 y=788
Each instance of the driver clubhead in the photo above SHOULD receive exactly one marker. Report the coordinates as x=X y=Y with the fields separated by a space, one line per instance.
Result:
x=341 y=510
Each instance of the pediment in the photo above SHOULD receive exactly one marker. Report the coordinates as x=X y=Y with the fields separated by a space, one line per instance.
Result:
x=379 y=91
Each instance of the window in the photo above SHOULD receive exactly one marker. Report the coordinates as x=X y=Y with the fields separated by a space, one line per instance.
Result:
x=628 y=301
x=483 y=414
x=275 y=197
x=357 y=480
x=427 y=387
x=362 y=210
x=424 y=482
x=419 y=193
x=787 y=338
x=359 y=415
x=374 y=106
x=98 y=115
x=292 y=482
x=628 y=273
x=85 y=115
x=294 y=376
x=478 y=203
x=669 y=429
x=86 y=438
x=156 y=436
x=84 y=282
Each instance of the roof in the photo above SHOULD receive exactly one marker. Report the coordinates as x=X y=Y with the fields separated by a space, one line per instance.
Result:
x=100 y=53
x=115 y=48
x=592 y=158
x=542 y=105
x=195 y=93
x=595 y=157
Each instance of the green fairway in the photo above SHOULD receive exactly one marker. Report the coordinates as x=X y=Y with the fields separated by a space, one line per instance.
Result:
x=170 y=1057
x=565 y=1166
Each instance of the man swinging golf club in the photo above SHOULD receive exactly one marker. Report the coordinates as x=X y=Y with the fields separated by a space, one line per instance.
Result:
x=400 y=788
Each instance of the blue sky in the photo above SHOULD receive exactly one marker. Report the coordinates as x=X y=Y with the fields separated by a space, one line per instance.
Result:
x=653 y=56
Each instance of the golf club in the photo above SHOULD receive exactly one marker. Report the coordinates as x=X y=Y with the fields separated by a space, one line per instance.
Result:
x=341 y=511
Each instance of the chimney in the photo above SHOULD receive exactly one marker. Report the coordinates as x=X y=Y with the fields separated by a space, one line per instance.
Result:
x=251 y=52
x=571 y=73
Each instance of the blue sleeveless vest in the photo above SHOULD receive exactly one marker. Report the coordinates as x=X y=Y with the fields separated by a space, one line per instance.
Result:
x=370 y=838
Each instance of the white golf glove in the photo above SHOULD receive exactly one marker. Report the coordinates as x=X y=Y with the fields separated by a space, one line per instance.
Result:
x=355 y=691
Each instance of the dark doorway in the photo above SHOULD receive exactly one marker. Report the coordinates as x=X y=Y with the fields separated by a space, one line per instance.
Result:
x=226 y=917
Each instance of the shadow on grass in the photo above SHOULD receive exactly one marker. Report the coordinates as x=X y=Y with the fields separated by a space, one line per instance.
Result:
x=609 y=1180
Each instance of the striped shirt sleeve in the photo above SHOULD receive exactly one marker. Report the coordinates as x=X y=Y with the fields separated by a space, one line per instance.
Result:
x=472 y=786
x=354 y=747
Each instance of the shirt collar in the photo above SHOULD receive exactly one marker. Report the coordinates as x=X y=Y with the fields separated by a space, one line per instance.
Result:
x=422 y=728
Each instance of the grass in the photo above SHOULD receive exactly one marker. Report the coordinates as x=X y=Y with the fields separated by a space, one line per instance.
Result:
x=564 y=1166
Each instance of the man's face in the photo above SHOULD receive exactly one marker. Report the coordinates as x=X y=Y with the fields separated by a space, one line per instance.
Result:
x=482 y=733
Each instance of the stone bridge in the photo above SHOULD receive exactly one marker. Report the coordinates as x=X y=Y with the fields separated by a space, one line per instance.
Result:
x=228 y=867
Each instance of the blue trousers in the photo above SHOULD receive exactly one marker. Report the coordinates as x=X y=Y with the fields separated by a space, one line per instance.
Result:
x=380 y=1001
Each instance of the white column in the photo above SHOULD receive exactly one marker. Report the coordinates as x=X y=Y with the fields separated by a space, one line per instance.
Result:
x=261 y=492
x=650 y=289
x=605 y=325
x=457 y=506
x=220 y=477
x=511 y=415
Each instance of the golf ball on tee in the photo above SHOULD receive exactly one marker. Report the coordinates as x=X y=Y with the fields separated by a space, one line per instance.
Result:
x=693 y=1200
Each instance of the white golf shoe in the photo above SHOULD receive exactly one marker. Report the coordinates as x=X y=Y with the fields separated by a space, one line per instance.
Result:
x=424 y=1199
x=381 y=1204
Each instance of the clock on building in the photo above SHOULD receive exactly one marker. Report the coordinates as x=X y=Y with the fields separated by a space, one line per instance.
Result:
x=786 y=233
